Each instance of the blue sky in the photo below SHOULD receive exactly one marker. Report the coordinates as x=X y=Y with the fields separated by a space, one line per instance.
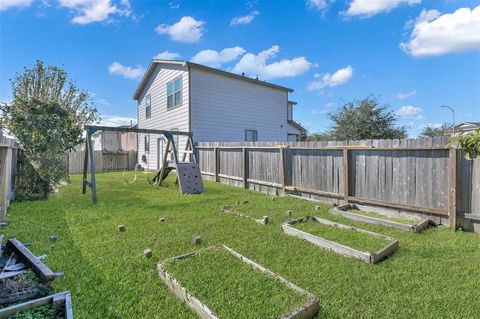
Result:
x=416 y=55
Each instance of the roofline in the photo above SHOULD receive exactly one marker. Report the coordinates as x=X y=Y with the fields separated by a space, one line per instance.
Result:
x=154 y=62
x=297 y=125
x=292 y=102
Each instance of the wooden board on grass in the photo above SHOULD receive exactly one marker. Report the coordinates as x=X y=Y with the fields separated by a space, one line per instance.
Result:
x=369 y=257
x=60 y=301
x=344 y=211
x=305 y=311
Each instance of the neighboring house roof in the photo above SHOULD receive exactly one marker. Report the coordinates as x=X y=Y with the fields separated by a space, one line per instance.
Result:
x=292 y=102
x=468 y=124
x=154 y=62
x=297 y=125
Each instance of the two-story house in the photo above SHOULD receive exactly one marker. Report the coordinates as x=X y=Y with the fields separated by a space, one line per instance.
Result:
x=213 y=104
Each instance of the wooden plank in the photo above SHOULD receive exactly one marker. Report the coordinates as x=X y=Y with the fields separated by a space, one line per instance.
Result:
x=85 y=168
x=245 y=167
x=307 y=311
x=452 y=188
x=343 y=211
x=62 y=299
x=217 y=163
x=282 y=167
x=369 y=257
x=25 y=255
x=345 y=175
x=438 y=211
x=312 y=191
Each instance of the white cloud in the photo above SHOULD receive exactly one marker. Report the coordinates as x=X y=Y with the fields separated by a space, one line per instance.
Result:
x=103 y=102
x=186 y=30
x=167 y=56
x=324 y=110
x=88 y=11
x=406 y=95
x=244 y=19
x=435 y=34
x=409 y=111
x=318 y=4
x=113 y=120
x=256 y=64
x=216 y=59
x=126 y=71
x=174 y=5
x=7 y=4
x=368 y=8
x=341 y=76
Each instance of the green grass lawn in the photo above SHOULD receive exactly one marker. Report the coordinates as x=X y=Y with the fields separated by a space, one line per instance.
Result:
x=346 y=237
x=379 y=216
x=232 y=289
x=434 y=274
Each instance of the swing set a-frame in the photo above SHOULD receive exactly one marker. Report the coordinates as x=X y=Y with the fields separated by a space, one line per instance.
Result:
x=188 y=172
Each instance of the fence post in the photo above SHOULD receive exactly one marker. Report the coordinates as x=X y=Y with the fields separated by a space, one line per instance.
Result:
x=3 y=183
x=245 y=166
x=282 y=167
x=452 y=188
x=345 y=175
x=217 y=163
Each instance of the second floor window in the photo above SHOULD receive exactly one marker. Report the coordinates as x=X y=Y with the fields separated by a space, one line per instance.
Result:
x=251 y=135
x=174 y=93
x=148 y=106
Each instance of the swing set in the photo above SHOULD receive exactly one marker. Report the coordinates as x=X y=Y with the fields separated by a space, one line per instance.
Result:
x=188 y=172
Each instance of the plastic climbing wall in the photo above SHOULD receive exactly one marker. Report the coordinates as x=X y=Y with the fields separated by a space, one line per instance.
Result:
x=189 y=178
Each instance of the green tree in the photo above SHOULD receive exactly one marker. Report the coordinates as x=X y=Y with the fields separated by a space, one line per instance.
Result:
x=430 y=131
x=468 y=143
x=319 y=136
x=46 y=115
x=365 y=119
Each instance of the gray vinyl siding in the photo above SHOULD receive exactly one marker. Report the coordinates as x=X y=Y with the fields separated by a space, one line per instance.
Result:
x=222 y=108
x=161 y=118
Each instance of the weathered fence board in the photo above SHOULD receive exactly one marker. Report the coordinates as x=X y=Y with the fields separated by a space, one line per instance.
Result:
x=8 y=169
x=104 y=161
x=406 y=174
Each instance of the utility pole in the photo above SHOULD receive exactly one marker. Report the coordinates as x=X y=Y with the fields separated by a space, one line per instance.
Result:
x=453 y=116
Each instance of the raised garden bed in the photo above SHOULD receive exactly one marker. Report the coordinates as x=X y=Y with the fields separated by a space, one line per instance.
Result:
x=221 y=287
x=370 y=247
x=229 y=210
x=353 y=212
x=57 y=306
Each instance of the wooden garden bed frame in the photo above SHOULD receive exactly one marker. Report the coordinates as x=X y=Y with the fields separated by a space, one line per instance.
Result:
x=263 y=221
x=306 y=311
x=57 y=301
x=44 y=273
x=343 y=211
x=369 y=257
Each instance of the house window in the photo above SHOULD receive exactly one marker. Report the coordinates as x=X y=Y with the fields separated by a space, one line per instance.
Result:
x=293 y=137
x=148 y=107
x=174 y=93
x=251 y=135
x=147 y=143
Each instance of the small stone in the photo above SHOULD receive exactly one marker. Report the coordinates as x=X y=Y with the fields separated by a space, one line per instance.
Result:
x=53 y=238
x=148 y=253
x=121 y=228
x=196 y=240
x=318 y=207
x=162 y=219
x=289 y=212
x=264 y=220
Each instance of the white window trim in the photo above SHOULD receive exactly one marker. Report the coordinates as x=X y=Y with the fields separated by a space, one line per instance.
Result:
x=173 y=94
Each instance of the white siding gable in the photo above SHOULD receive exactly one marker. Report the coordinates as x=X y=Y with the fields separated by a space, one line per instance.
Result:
x=222 y=108
x=161 y=118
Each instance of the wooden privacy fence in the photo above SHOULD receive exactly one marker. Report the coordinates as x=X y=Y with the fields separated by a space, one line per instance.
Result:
x=104 y=161
x=8 y=168
x=418 y=175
